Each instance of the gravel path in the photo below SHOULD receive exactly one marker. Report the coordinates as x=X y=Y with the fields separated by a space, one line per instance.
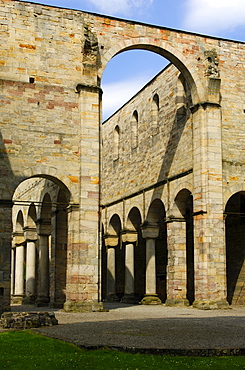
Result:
x=152 y=327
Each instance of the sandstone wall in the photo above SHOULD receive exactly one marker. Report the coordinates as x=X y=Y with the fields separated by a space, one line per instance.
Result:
x=164 y=140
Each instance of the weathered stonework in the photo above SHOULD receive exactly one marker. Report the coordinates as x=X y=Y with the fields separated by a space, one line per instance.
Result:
x=27 y=320
x=173 y=161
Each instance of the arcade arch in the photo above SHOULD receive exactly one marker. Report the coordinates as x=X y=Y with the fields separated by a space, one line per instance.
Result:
x=39 y=247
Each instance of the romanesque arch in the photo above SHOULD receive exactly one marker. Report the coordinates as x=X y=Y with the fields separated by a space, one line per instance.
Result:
x=181 y=250
x=155 y=233
x=40 y=219
x=115 y=260
x=160 y=47
x=134 y=257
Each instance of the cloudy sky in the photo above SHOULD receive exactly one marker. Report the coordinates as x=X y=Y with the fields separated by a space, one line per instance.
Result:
x=129 y=71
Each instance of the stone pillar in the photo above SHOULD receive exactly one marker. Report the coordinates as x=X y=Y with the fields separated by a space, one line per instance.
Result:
x=176 y=268
x=129 y=238
x=52 y=257
x=19 y=274
x=150 y=233
x=43 y=276
x=111 y=242
x=43 y=231
x=209 y=238
x=18 y=289
x=12 y=270
x=83 y=275
x=31 y=238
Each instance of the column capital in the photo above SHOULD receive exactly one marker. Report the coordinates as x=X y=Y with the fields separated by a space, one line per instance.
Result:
x=43 y=226
x=18 y=238
x=111 y=240
x=129 y=236
x=30 y=234
x=150 y=230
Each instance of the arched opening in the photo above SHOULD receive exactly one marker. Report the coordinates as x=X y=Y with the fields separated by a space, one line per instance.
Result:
x=116 y=140
x=134 y=246
x=184 y=202
x=43 y=202
x=155 y=114
x=125 y=74
x=156 y=220
x=18 y=273
x=115 y=260
x=19 y=222
x=235 y=250
x=134 y=130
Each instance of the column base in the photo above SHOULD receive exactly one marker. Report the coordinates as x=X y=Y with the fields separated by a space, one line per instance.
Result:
x=151 y=299
x=211 y=305
x=42 y=301
x=181 y=302
x=111 y=298
x=17 y=299
x=29 y=300
x=129 y=298
x=73 y=306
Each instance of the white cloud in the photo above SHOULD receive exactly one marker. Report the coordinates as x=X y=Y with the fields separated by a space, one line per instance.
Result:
x=119 y=6
x=214 y=16
x=115 y=94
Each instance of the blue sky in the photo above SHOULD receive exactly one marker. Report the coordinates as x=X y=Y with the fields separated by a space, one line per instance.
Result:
x=129 y=71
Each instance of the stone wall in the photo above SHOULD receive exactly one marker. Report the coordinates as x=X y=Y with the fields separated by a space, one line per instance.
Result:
x=51 y=64
x=164 y=139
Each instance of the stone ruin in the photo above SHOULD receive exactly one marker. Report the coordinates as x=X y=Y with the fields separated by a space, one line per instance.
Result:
x=27 y=320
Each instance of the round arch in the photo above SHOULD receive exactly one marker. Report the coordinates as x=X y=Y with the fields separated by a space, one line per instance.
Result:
x=134 y=219
x=54 y=179
x=167 y=51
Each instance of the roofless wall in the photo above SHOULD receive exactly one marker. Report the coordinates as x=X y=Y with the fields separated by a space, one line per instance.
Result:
x=51 y=65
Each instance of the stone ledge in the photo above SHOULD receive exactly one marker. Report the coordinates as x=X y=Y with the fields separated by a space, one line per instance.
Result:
x=27 y=320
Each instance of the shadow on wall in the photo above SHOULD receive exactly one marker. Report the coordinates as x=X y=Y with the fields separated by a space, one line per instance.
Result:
x=7 y=187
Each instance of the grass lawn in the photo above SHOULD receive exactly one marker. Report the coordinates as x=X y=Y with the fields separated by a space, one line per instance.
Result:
x=24 y=350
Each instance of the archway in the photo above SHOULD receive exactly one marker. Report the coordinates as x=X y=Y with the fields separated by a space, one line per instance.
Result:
x=155 y=232
x=184 y=203
x=115 y=276
x=43 y=205
x=235 y=250
x=134 y=258
x=164 y=49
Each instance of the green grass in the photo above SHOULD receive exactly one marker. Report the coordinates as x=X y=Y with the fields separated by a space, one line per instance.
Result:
x=25 y=350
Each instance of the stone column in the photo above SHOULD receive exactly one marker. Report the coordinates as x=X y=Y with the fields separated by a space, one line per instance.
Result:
x=12 y=270
x=129 y=238
x=150 y=233
x=83 y=275
x=43 y=230
x=52 y=257
x=19 y=242
x=31 y=238
x=111 y=242
x=209 y=240
x=176 y=268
